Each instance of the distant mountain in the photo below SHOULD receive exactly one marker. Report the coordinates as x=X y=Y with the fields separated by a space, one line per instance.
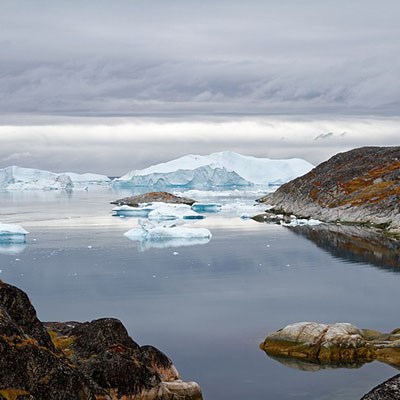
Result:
x=358 y=186
x=225 y=168
x=18 y=178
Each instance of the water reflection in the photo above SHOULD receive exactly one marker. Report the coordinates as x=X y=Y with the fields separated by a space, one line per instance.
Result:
x=355 y=244
x=309 y=366
x=12 y=249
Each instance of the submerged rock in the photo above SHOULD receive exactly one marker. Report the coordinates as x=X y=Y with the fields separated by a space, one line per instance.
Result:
x=333 y=344
x=162 y=197
x=74 y=360
x=359 y=186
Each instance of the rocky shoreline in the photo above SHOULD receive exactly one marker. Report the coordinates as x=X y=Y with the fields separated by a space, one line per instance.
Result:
x=94 y=360
x=361 y=186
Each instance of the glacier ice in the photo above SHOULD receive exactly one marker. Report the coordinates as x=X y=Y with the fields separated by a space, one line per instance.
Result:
x=18 y=178
x=11 y=233
x=223 y=169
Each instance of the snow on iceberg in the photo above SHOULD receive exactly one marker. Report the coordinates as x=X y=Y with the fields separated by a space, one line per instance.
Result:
x=18 y=178
x=10 y=233
x=218 y=169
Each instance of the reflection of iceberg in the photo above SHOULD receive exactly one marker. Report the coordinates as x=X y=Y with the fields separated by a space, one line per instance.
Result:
x=145 y=244
x=10 y=233
x=167 y=235
x=206 y=207
x=12 y=249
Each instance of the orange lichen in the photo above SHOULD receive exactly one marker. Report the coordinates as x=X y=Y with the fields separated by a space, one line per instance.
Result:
x=13 y=394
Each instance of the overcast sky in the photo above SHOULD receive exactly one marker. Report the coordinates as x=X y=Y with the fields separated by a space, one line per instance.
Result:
x=135 y=82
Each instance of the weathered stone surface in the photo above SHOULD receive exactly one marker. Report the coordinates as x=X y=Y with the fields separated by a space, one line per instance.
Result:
x=388 y=390
x=339 y=344
x=358 y=186
x=324 y=343
x=21 y=311
x=88 y=361
x=164 y=197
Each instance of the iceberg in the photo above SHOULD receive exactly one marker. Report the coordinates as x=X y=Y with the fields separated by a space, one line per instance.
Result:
x=173 y=211
x=223 y=169
x=128 y=211
x=174 y=232
x=10 y=233
x=169 y=234
x=18 y=178
x=158 y=211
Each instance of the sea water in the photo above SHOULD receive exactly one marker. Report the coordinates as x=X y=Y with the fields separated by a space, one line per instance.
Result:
x=207 y=306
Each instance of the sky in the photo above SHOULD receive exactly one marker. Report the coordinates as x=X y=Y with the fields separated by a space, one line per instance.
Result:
x=107 y=87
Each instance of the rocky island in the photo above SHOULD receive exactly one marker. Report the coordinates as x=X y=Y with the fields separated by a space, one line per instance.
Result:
x=94 y=360
x=311 y=346
x=162 y=197
x=361 y=186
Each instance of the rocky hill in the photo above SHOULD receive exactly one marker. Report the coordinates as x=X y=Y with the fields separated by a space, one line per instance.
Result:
x=94 y=360
x=358 y=186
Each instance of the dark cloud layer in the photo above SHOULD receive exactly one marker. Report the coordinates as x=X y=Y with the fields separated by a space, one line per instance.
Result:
x=184 y=57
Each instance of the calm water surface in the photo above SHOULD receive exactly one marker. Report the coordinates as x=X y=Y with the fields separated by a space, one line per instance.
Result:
x=207 y=306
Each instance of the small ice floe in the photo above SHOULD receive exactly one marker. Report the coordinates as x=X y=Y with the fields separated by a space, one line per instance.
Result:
x=207 y=207
x=169 y=234
x=301 y=221
x=245 y=216
x=173 y=211
x=10 y=233
x=128 y=211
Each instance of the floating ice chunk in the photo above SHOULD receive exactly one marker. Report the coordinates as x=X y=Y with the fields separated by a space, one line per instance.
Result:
x=10 y=233
x=168 y=211
x=207 y=207
x=128 y=211
x=296 y=221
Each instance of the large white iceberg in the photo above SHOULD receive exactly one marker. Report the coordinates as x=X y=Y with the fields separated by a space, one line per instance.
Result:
x=18 y=178
x=10 y=233
x=223 y=169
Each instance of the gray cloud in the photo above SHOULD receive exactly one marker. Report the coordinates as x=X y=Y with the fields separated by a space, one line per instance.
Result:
x=323 y=136
x=98 y=58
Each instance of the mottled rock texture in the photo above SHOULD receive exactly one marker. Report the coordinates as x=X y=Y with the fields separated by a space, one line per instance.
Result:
x=163 y=197
x=358 y=186
x=333 y=344
x=73 y=360
x=388 y=390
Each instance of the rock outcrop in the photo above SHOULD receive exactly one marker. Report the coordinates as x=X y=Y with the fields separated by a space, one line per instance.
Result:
x=73 y=360
x=333 y=344
x=358 y=186
x=388 y=390
x=164 y=197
